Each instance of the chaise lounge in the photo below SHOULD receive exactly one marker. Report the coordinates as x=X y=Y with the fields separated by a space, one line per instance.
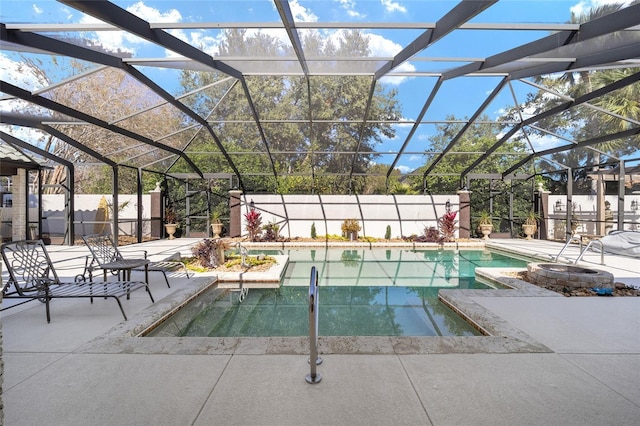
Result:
x=623 y=243
x=106 y=256
x=32 y=276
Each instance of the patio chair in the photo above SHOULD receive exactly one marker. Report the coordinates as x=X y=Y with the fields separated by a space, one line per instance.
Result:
x=106 y=256
x=623 y=243
x=32 y=276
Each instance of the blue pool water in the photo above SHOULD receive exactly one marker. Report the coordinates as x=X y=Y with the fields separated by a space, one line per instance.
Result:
x=376 y=292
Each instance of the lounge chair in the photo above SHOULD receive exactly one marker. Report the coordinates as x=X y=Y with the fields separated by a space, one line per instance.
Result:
x=32 y=276
x=623 y=243
x=106 y=256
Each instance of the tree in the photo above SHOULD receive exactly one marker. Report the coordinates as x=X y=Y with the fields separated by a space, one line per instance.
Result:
x=582 y=122
x=110 y=95
x=306 y=157
x=445 y=177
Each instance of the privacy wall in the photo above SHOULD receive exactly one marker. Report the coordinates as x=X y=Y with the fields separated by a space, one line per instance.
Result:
x=405 y=214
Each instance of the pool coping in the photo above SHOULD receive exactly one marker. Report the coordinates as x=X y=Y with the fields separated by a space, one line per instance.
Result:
x=501 y=337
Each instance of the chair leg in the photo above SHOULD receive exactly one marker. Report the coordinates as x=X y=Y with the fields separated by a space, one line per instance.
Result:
x=47 y=299
x=121 y=308
x=165 y=278
x=150 y=295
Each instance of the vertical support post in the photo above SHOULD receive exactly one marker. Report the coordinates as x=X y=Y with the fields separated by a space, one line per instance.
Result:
x=114 y=202
x=314 y=360
x=139 y=201
x=20 y=205
x=70 y=205
x=542 y=204
x=600 y=206
x=464 y=218
x=569 y=203
x=156 y=212
x=621 y=176
x=235 y=213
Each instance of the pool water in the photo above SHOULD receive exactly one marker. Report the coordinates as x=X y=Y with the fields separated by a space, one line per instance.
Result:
x=374 y=292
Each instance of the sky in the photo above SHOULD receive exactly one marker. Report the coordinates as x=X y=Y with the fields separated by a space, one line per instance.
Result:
x=383 y=42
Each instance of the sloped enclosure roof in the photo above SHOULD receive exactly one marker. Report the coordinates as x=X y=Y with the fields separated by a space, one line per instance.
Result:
x=267 y=91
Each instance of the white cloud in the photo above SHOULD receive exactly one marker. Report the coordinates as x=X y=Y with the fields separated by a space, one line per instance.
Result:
x=392 y=6
x=20 y=73
x=152 y=14
x=404 y=169
x=300 y=13
x=124 y=42
x=350 y=7
x=584 y=5
x=355 y=14
x=540 y=143
x=381 y=46
x=36 y=9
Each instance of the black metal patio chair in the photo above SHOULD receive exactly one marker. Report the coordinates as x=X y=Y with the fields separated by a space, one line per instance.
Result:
x=106 y=256
x=33 y=277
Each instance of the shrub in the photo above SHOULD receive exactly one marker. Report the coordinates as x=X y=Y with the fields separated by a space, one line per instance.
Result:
x=271 y=232
x=387 y=234
x=447 y=224
x=209 y=252
x=313 y=230
x=350 y=225
x=254 y=223
x=431 y=235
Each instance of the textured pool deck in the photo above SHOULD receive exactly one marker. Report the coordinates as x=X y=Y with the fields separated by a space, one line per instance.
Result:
x=550 y=360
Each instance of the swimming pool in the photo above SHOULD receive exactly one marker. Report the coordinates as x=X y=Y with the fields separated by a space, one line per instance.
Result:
x=363 y=292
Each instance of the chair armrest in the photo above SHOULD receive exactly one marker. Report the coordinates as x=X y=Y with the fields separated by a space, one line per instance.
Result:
x=126 y=253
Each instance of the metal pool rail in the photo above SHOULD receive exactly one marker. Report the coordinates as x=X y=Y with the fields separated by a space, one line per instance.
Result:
x=314 y=360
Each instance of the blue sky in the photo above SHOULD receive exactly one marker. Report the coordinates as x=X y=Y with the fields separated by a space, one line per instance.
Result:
x=461 y=97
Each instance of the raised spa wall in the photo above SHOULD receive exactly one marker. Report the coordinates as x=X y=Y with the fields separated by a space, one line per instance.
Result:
x=568 y=276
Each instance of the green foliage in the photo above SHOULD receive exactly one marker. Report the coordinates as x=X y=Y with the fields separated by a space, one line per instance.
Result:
x=350 y=258
x=334 y=98
x=387 y=233
x=270 y=231
x=313 y=230
x=209 y=252
x=350 y=225
x=445 y=176
x=484 y=218
x=254 y=223
x=170 y=215
x=252 y=261
x=532 y=218
x=447 y=226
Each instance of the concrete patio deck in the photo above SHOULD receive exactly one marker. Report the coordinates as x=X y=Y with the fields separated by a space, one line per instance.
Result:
x=555 y=360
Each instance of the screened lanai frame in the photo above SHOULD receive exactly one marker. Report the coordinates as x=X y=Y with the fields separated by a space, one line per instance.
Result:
x=612 y=41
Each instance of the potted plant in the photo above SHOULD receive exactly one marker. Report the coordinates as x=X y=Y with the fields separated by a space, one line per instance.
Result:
x=530 y=225
x=485 y=224
x=170 y=219
x=216 y=224
x=350 y=228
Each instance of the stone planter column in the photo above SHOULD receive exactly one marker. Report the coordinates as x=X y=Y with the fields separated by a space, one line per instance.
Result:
x=156 y=212
x=464 y=217
x=235 y=213
x=19 y=206
x=542 y=204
